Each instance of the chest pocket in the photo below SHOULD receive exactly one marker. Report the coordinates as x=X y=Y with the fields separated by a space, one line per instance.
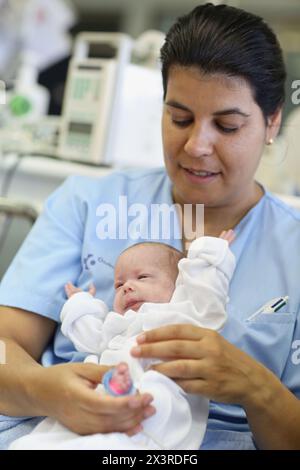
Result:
x=267 y=338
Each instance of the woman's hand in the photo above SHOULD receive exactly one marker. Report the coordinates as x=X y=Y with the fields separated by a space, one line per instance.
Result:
x=67 y=393
x=201 y=361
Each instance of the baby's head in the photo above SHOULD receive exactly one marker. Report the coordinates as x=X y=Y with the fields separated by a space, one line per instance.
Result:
x=145 y=272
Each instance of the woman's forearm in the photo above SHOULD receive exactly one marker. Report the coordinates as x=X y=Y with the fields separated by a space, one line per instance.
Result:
x=17 y=375
x=273 y=414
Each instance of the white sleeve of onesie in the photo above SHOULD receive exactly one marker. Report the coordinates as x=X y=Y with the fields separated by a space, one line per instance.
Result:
x=204 y=278
x=82 y=318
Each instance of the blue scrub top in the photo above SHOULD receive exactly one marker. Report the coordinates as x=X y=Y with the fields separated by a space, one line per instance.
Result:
x=64 y=246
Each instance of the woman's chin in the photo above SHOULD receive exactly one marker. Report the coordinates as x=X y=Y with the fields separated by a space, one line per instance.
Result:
x=188 y=196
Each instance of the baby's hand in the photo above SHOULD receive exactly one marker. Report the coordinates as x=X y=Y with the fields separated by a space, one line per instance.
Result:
x=70 y=289
x=228 y=235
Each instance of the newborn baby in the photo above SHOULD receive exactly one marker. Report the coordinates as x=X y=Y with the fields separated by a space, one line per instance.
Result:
x=155 y=285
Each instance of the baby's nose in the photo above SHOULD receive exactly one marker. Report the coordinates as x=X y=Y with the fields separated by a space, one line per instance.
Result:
x=127 y=288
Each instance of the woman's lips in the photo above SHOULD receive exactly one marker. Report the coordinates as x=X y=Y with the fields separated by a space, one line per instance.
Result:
x=201 y=176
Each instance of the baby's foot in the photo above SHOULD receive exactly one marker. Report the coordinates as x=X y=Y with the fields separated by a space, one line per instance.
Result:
x=119 y=381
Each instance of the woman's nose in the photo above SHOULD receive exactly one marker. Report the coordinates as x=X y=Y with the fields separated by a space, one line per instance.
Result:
x=199 y=143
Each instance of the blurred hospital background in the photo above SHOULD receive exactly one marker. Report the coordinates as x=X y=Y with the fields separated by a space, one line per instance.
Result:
x=81 y=93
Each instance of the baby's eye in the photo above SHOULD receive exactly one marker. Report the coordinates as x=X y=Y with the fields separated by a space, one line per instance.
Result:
x=118 y=285
x=143 y=276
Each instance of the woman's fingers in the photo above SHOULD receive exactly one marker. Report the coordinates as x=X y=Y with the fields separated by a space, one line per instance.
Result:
x=67 y=391
x=167 y=350
x=194 y=386
x=120 y=418
x=91 y=423
x=196 y=343
x=134 y=430
x=170 y=341
x=181 y=369
x=106 y=405
x=165 y=333
x=150 y=411
x=91 y=372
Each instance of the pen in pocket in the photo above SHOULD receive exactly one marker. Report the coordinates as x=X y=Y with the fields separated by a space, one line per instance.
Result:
x=271 y=307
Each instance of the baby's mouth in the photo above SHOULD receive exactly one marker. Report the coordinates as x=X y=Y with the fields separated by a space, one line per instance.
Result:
x=133 y=304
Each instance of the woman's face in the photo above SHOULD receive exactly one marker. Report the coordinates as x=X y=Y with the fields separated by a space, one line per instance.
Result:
x=213 y=137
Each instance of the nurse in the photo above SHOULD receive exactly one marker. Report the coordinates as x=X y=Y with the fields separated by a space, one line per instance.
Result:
x=223 y=78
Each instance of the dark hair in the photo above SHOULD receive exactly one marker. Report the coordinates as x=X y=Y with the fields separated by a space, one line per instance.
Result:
x=223 y=39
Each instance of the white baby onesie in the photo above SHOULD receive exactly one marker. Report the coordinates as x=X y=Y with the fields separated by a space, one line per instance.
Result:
x=199 y=299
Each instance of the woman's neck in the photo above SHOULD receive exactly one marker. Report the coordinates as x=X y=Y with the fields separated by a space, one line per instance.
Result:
x=225 y=217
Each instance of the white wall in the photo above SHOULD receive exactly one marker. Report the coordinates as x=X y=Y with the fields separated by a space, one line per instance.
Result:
x=138 y=14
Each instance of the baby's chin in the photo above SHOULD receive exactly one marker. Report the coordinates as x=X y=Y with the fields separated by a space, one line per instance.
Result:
x=135 y=306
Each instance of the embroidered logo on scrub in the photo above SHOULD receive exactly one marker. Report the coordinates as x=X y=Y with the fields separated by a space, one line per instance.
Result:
x=90 y=261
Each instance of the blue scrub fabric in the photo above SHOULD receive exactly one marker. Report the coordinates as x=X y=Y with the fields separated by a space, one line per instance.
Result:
x=64 y=245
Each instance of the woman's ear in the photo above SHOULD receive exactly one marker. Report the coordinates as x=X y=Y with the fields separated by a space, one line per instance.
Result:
x=273 y=125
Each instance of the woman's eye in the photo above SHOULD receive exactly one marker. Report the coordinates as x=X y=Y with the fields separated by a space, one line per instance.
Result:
x=226 y=130
x=182 y=122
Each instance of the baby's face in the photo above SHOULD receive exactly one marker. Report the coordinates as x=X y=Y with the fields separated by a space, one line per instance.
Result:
x=140 y=276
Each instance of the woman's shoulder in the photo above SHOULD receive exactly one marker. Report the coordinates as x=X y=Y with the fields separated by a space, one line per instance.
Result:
x=133 y=174
x=283 y=207
x=116 y=180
